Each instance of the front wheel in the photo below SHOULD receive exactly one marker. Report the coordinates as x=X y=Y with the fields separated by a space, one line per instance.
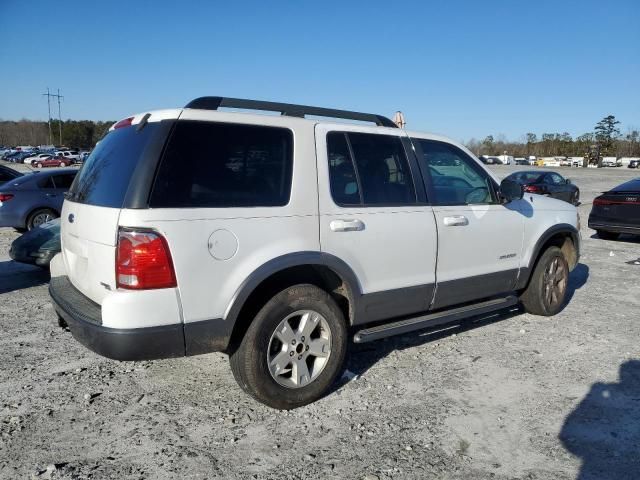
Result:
x=547 y=287
x=293 y=350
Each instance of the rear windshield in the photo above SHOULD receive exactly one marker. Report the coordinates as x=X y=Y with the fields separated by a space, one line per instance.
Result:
x=215 y=165
x=104 y=178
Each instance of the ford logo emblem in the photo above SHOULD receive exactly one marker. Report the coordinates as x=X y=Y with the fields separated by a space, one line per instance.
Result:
x=71 y=218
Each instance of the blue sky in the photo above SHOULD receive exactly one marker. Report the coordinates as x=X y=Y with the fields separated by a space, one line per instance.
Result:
x=461 y=68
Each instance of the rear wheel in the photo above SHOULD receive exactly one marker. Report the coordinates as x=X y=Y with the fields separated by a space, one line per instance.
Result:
x=547 y=287
x=604 y=235
x=293 y=350
x=39 y=217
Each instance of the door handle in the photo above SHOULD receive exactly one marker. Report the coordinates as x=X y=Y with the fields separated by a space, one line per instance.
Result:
x=346 y=225
x=51 y=195
x=456 y=221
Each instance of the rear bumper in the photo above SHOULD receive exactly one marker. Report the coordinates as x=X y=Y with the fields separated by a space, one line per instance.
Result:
x=84 y=319
x=611 y=225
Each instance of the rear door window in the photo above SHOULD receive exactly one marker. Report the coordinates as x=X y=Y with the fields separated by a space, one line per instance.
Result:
x=369 y=170
x=47 y=183
x=64 y=181
x=104 y=178
x=217 y=165
x=342 y=174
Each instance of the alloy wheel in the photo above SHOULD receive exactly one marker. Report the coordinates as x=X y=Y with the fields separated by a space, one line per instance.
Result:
x=554 y=283
x=299 y=349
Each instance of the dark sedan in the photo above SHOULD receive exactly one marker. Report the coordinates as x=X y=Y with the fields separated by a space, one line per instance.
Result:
x=33 y=199
x=551 y=184
x=7 y=174
x=617 y=211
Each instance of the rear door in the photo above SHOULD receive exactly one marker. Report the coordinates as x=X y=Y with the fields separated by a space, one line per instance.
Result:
x=374 y=216
x=89 y=224
x=479 y=238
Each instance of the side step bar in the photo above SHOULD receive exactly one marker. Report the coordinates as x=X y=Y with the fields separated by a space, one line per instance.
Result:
x=433 y=319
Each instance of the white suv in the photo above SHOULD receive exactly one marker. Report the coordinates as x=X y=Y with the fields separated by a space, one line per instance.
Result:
x=276 y=238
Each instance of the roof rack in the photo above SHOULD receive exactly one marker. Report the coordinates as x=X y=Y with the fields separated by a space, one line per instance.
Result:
x=291 y=110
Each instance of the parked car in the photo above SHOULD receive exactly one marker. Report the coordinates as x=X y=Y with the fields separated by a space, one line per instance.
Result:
x=19 y=157
x=71 y=155
x=83 y=156
x=39 y=156
x=551 y=184
x=617 y=211
x=521 y=161
x=37 y=246
x=33 y=199
x=52 y=162
x=286 y=234
x=7 y=174
x=634 y=164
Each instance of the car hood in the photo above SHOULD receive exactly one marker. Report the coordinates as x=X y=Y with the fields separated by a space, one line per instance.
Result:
x=45 y=237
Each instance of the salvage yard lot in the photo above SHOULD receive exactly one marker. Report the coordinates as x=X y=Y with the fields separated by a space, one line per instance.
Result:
x=514 y=396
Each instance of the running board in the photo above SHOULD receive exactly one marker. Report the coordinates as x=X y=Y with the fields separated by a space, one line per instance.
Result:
x=433 y=319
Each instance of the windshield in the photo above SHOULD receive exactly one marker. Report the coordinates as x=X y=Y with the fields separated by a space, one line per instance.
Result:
x=104 y=178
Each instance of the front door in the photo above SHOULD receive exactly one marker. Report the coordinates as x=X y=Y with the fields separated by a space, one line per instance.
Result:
x=479 y=238
x=374 y=217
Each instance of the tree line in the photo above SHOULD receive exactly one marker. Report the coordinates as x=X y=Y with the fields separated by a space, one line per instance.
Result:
x=75 y=133
x=605 y=140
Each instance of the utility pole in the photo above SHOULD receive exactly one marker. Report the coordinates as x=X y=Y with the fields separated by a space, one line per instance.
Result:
x=58 y=96
x=48 y=95
x=59 y=116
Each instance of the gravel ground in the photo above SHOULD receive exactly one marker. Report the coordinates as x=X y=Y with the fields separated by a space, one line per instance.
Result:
x=513 y=396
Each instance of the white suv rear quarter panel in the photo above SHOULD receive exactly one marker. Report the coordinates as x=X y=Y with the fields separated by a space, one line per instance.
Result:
x=207 y=285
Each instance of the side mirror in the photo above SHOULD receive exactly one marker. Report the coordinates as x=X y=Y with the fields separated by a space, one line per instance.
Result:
x=568 y=181
x=510 y=190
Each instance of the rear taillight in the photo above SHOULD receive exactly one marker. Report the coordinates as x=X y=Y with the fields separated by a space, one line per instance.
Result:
x=5 y=196
x=143 y=261
x=532 y=188
x=616 y=201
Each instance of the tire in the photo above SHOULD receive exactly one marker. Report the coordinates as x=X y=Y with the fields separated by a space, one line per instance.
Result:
x=40 y=216
x=604 y=235
x=38 y=165
x=61 y=164
x=547 y=287
x=250 y=364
